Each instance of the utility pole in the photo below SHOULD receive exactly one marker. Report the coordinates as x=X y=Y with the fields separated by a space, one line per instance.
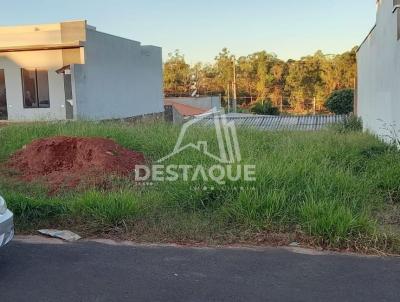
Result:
x=229 y=97
x=234 y=86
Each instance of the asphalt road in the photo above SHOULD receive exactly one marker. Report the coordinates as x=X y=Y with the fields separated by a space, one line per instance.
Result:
x=90 y=271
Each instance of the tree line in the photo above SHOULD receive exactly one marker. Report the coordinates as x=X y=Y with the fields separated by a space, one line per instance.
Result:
x=295 y=85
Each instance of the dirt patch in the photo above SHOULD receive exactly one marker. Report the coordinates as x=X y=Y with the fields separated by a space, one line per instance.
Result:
x=67 y=162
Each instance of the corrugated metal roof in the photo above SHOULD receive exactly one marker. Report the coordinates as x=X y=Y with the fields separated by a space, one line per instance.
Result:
x=267 y=122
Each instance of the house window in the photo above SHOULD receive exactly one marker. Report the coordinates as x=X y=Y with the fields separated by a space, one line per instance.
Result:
x=35 y=87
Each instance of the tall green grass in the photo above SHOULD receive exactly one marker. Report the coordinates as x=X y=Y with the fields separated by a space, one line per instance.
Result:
x=327 y=186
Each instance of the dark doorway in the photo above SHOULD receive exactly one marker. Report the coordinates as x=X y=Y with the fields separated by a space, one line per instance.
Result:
x=69 y=108
x=3 y=97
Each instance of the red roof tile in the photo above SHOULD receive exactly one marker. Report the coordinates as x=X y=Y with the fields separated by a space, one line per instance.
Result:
x=186 y=110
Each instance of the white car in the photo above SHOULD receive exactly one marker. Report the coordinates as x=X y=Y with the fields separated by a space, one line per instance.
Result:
x=6 y=223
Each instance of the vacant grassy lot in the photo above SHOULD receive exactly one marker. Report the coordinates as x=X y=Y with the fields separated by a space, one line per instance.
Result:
x=322 y=188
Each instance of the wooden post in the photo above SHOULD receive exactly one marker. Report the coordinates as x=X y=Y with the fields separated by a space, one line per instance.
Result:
x=229 y=97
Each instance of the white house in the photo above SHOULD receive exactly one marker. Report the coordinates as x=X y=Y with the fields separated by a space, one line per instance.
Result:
x=378 y=91
x=70 y=70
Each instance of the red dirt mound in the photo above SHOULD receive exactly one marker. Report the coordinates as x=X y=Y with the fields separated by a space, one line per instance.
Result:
x=66 y=162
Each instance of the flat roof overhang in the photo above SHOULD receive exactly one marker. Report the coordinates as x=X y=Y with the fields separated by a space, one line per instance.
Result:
x=70 y=45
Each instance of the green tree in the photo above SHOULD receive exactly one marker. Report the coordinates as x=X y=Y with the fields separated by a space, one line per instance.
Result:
x=339 y=71
x=264 y=108
x=304 y=81
x=247 y=77
x=262 y=76
x=279 y=72
x=264 y=62
x=224 y=70
x=176 y=74
x=341 y=101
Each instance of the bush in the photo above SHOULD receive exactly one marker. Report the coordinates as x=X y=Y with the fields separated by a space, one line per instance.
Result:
x=351 y=124
x=341 y=101
x=265 y=108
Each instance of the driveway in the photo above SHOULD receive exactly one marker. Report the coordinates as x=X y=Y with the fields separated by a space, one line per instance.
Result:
x=90 y=271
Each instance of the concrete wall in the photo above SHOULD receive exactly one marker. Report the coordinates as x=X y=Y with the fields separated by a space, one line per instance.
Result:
x=120 y=78
x=378 y=73
x=12 y=64
x=208 y=102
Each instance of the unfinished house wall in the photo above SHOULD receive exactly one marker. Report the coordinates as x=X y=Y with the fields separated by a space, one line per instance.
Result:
x=120 y=78
x=378 y=72
x=111 y=77
x=12 y=63
x=48 y=48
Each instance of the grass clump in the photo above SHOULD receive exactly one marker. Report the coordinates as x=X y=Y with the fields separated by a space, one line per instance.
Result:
x=329 y=188
x=352 y=123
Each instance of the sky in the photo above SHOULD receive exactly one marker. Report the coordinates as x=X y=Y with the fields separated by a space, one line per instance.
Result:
x=201 y=28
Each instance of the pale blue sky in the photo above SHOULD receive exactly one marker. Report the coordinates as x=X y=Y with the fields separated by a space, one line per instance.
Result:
x=201 y=28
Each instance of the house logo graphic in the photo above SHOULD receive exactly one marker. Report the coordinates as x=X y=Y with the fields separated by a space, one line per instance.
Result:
x=227 y=157
x=228 y=143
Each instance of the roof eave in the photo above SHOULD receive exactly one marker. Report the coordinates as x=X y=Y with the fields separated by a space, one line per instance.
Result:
x=71 y=45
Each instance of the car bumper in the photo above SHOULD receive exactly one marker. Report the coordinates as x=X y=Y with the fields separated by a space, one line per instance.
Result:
x=6 y=228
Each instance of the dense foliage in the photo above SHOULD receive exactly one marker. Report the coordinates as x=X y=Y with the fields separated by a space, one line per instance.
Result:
x=341 y=101
x=352 y=123
x=265 y=108
x=294 y=84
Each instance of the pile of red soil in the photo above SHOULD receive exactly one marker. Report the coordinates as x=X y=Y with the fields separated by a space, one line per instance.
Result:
x=67 y=162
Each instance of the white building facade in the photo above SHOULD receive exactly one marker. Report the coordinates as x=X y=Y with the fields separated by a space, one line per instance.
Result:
x=72 y=71
x=378 y=59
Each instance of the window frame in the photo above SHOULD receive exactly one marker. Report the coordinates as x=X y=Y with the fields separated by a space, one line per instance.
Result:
x=38 y=106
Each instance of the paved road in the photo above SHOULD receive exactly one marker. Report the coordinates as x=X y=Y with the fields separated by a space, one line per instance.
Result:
x=90 y=271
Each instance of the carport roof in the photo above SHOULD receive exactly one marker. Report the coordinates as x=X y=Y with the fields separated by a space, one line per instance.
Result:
x=186 y=110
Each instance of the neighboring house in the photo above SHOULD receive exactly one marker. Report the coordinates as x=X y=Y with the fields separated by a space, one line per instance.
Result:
x=70 y=70
x=378 y=91
x=180 y=109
